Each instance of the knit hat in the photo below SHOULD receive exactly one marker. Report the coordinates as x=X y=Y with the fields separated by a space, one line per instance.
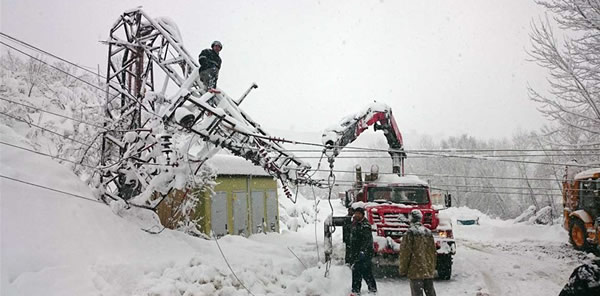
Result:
x=415 y=216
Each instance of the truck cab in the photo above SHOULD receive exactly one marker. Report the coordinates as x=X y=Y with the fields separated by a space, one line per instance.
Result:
x=581 y=201
x=388 y=200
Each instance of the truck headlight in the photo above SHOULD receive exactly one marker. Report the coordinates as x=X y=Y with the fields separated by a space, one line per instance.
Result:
x=445 y=233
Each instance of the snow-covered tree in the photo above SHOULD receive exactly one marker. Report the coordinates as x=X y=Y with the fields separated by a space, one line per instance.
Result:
x=573 y=62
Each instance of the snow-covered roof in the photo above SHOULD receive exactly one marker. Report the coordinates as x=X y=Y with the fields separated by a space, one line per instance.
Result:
x=587 y=174
x=405 y=180
x=234 y=165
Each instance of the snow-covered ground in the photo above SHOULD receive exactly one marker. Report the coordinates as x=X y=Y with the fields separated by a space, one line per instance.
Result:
x=56 y=244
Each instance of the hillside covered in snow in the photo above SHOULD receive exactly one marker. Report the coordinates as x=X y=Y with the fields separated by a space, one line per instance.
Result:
x=54 y=243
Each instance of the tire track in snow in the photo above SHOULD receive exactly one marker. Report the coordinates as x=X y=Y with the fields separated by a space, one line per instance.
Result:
x=505 y=274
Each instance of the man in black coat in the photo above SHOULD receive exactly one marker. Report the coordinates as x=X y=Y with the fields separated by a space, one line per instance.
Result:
x=584 y=281
x=210 y=64
x=346 y=232
x=361 y=247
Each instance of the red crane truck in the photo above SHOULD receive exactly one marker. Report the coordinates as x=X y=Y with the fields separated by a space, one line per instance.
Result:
x=388 y=198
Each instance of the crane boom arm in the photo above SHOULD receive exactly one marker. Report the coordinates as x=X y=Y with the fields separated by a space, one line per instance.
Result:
x=381 y=118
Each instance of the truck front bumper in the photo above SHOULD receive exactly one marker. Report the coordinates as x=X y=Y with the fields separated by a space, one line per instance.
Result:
x=445 y=246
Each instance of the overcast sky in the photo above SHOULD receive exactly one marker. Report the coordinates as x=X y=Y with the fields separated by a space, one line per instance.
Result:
x=445 y=67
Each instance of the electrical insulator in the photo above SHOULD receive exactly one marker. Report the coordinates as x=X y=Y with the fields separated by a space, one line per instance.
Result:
x=166 y=146
x=287 y=191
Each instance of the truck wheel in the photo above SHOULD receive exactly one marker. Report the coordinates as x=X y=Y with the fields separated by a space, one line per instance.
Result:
x=444 y=267
x=578 y=235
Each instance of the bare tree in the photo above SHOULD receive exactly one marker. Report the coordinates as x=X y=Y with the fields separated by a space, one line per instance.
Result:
x=34 y=73
x=573 y=99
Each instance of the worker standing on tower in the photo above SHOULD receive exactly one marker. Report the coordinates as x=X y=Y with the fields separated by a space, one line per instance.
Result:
x=210 y=64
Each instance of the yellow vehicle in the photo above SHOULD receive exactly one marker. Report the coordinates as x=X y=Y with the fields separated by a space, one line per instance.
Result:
x=581 y=201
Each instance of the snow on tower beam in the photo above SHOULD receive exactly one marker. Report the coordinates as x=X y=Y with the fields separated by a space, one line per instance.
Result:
x=216 y=118
x=150 y=76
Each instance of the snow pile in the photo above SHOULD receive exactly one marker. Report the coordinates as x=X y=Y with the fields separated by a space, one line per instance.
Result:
x=305 y=212
x=496 y=230
x=532 y=216
x=80 y=247
x=543 y=216
x=55 y=244
x=526 y=215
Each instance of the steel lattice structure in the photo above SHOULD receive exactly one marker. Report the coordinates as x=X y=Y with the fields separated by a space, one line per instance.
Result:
x=154 y=94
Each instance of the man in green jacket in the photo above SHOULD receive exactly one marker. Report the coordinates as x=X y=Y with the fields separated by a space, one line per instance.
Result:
x=418 y=256
x=361 y=252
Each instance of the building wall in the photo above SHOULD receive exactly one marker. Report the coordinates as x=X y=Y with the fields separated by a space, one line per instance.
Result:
x=260 y=193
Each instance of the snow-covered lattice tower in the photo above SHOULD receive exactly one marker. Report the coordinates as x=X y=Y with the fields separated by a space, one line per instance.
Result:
x=160 y=111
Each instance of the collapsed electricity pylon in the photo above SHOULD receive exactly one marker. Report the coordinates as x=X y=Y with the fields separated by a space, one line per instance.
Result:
x=158 y=108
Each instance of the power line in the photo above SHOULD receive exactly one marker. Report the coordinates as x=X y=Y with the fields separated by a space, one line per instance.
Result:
x=483 y=177
x=47 y=130
x=505 y=160
x=121 y=92
x=53 y=113
x=444 y=176
x=283 y=140
x=430 y=156
x=343 y=171
x=363 y=149
x=60 y=115
x=78 y=78
x=475 y=191
x=348 y=181
x=53 y=67
x=47 y=53
x=48 y=155
x=51 y=189
x=500 y=187
x=29 y=45
x=463 y=186
x=503 y=150
x=492 y=192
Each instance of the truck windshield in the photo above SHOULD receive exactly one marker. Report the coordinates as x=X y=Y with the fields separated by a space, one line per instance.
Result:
x=403 y=195
x=590 y=195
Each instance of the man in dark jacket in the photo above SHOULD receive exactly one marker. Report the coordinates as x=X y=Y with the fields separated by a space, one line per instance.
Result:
x=361 y=247
x=346 y=232
x=584 y=281
x=418 y=256
x=210 y=64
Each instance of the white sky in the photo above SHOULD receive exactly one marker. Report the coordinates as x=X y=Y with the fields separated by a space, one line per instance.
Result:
x=445 y=67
